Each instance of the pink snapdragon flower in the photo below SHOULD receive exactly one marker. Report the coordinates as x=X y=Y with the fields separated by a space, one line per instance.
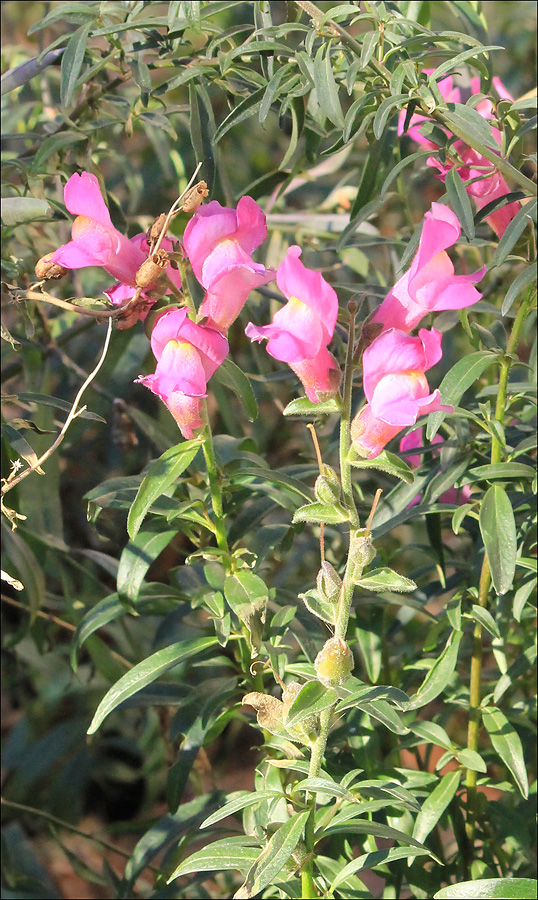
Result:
x=430 y=284
x=395 y=387
x=454 y=496
x=302 y=329
x=219 y=242
x=187 y=356
x=95 y=241
x=491 y=184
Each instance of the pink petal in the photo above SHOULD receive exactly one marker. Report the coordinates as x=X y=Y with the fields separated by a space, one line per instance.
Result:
x=441 y=230
x=96 y=251
x=459 y=291
x=210 y=223
x=180 y=369
x=187 y=411
x=295 y=334
x=82 y=197
x=370 y=435
x=251 y=225
x=409 y=442
x=120 y=293
x=295 y=280
x=398 y=310
x=319 y=376
x=501 y=90
x=394 y=398
x=223 y=303
x=166 y=328
x=391 y=352
x=431 y=341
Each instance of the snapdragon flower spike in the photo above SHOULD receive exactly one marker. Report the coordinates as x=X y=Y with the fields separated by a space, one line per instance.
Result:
x=95 y=241
x=187 y=356
x=454 y=496
x=219 y=242
x=430 y=284
x=395 y=387
x=301 y=330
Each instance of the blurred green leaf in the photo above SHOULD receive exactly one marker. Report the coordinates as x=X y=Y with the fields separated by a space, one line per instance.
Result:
x=498 y=529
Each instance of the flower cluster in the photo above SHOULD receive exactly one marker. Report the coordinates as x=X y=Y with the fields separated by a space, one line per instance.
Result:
x=219 y=243
x=487 y=184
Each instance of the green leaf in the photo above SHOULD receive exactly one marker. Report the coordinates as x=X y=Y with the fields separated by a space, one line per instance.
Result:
x=53 y=144
x=384 y=713
x=72 y=62
x=243 y=801
x=507 y=743
x=399 y=167
x=319 y=607
x=467 y=122
x=386 y=461
x=244 y=110
x=137 y=557
x=274 y=857
x=471 y=760
x=459 y=201
x=246 y=593
x=490 y=889
x=20 y=446
x=514 y=230
x=527 y=276
x=373 y=859
x=366 y=694
x=435 y=804
x=432 y=733
x=451 y=64
x=498 y=529
x=144 y=673
x=304 y=407
x=312 y=698
x=374 y=828
x=16 y=210
x=319 y=512
x=233 y=378
x=202 y=129
x=486 y=619
x=439 y=675
x=69 y=12
x=230 y=853
x=387 y=107
x=325 y=786
x=503 y=470
x=460 y=377
x=160 y=476
x=326 y=89
x=385 y=579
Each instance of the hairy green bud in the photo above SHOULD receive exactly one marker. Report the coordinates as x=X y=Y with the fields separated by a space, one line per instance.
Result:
x=327 y=486
x=361 y=553
x=334 y=662
x=329 y=583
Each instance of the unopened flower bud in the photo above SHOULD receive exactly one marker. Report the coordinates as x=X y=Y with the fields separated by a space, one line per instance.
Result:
x=327 y=486
x=361 y=553
x=47 y=270
x=151 y=269
x=329 y=583
x=194 y=197
x=334 y=662
x=154 y=232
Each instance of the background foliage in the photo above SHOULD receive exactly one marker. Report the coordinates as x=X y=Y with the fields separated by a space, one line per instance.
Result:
x=303 y=120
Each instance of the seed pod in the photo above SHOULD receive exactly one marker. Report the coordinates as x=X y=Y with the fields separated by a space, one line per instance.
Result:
x=154 y=232
x=329 y=583
x=327 y=486
x=47 y=270
x=361 y=553
x=151 y=269
x=334 y=662
x=194 y=197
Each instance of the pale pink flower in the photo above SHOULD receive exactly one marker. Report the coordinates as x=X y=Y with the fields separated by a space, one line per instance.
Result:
x=219 y=242
x=430 y=284
x=302 y=329
x=187 y=356
x=395 y=387
x=95 y=241
x=455 y=496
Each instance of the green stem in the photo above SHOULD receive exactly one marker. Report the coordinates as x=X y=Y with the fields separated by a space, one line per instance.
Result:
x=215 y=488
x=185 y=290
x=345 y=422
x=483 y=593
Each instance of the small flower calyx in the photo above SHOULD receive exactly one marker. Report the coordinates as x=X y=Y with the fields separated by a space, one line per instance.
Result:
x=327 y=486
x=151 y=269
x=47 y=270
x=334 y=662
x=329 y=583
x=361 y=553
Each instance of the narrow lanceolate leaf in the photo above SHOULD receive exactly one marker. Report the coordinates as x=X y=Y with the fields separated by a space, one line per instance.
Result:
x=459 y=201
x=507 y=743
x=376 y=858
x=137 y=557
x=233 y=378
x=385 y=579
x=72 y=62
x=161 y=474
x=312 y=698
x=435 y=805
x=456 y=382
x=230 y=853
x=498 y=529
x=272 y=860
x=326 y=88
x=486 y=619
x=244 y=110
x=304 y=407
x=526 y=277
x=146 y=672
x=320 y=512
x=386 y=462
x=375 y=828
x=514 y=231
x=490 y=889
x=439 y=675
x=245 y=800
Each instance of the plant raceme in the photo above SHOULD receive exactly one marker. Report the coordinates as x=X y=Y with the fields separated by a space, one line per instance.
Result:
x=95 y=241
x=487 y=184
x=430 y=285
